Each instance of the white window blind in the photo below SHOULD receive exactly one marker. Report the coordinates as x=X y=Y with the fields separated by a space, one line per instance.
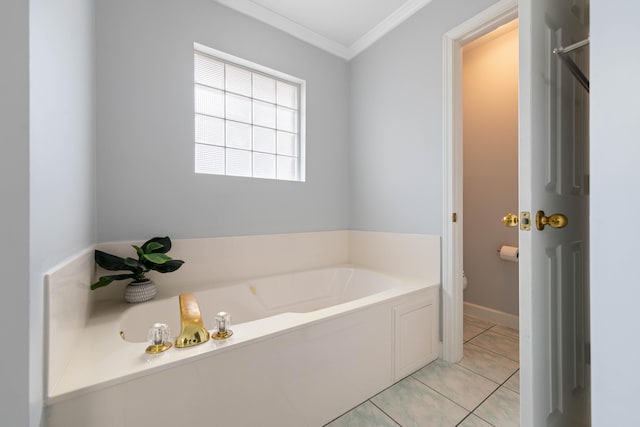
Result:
x=247 y=121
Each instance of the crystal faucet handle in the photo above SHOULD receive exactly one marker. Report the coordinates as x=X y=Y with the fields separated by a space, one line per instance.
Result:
x=159 y=336
x=223 y=321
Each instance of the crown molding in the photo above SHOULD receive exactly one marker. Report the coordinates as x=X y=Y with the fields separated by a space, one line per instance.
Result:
x=301 y=32
x=389 y=23
x=269 y=17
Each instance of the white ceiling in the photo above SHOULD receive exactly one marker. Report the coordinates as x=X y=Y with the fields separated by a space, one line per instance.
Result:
x=342 y=27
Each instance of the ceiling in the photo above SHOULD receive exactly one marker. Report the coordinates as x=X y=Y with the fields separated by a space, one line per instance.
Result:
x=343 y=28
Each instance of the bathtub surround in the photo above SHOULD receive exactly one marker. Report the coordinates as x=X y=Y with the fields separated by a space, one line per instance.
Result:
x=404 y=255
x=225 y=259
x=69 y=304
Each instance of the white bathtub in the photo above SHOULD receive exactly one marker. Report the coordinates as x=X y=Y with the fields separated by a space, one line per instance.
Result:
x=257 y=299
x=306 y=347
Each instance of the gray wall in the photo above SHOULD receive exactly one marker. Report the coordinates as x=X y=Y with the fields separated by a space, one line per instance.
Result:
x=62 y=154
x=615 y=153
x=14 y=215
x=396 y=123
x=146 y=182
x=490 y=109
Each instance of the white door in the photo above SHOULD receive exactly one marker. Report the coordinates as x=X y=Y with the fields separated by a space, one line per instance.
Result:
x=553 y=160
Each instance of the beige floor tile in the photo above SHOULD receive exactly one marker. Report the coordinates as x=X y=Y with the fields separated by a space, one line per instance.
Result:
x=501 y=344
x=488 y=364
x=502 y=408
x=365 y=415
x=474 y=421
x=513 y=383
x=464 y=387
x=503 y=330
x=475 y=321
x=412 y=404
x=470 y=331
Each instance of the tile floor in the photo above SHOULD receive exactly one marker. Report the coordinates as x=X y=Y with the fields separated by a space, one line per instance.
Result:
x=481 y=390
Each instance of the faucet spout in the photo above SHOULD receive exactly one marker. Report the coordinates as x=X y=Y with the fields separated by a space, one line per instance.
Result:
x=193 y=331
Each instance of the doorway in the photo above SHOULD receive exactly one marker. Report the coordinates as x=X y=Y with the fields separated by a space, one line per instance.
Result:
x=490 y=175
x=553 y=178
x=499 y=14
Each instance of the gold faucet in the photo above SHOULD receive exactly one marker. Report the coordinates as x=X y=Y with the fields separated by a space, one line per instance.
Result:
x=193 y=331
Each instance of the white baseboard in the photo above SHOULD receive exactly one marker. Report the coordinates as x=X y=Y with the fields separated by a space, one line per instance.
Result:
x=491 y=315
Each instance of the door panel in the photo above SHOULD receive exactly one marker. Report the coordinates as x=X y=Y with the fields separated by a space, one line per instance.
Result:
x=553 y=302
x=554 y=178
x=579 y=339
x=552 y=109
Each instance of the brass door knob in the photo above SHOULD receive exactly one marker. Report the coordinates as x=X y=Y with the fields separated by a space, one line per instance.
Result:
x=556 y=220
x=510 y=220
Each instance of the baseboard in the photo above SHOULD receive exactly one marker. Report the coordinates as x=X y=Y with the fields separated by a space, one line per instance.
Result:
x=492 y=315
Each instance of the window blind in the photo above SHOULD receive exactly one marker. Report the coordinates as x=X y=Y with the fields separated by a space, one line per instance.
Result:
x=247 y=123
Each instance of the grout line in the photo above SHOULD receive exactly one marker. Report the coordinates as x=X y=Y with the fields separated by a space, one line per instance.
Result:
x=443 y=395
x=502 y=386
x=475 y=336
x=491 y=379
x=473 y=319
x=482 y=328
x=481 y=403
x=489 y=350
x=495 y=352
x=507 y=380
x=504 y=335
x=344 y=413
x=469 y=415
x=357 y=406
x=486 y=378
x=493 y=425
x=383 y=411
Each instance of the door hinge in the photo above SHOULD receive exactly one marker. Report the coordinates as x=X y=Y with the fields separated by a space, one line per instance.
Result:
x=454 y=217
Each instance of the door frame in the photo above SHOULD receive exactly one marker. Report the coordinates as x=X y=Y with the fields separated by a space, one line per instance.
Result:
x=486 y=21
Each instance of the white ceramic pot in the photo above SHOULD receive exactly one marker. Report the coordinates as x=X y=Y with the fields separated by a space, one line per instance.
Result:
x=140 y=291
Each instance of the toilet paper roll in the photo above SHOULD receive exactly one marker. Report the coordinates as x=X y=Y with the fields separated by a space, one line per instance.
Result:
x=509 y=253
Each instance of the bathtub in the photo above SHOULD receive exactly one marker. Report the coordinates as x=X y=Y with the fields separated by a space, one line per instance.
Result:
x=256 y=299
x=306 y=347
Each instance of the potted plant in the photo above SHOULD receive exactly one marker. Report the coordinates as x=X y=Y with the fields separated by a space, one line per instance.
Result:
x=152 y=255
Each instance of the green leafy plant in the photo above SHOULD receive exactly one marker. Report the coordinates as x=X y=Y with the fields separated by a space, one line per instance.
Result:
x=152 y=255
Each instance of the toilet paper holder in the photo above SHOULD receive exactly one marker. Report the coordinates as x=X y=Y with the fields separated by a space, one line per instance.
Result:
x=509 y=253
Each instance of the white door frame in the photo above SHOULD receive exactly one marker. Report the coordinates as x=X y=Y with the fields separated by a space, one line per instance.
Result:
x=452 y=302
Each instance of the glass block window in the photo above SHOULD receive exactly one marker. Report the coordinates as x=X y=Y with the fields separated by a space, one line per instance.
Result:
x=247 y=119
